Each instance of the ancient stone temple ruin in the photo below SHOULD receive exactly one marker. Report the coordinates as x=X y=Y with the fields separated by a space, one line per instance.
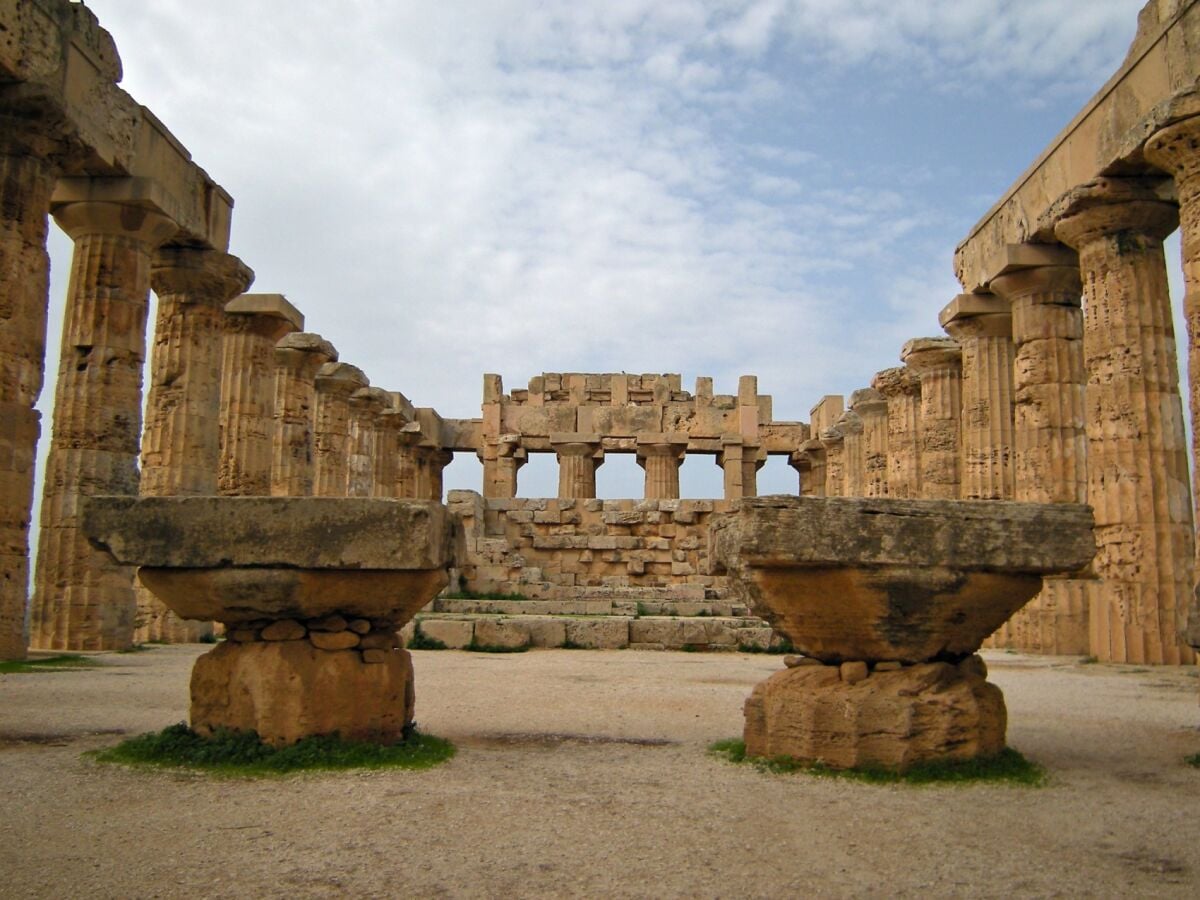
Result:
x=1051 y=379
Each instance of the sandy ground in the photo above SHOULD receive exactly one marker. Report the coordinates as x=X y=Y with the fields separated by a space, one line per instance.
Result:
x=585 y=773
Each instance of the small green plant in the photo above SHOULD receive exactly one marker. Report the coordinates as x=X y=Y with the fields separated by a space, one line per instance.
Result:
x=1008 y=766
x=45 y=664
x=488 y=595
x=209 y=638
x=693 y=648
x=642 y=610
x=1193 y=760
x=242 y=753
x=569 y=644
x=1086 y=661
x=421 y=641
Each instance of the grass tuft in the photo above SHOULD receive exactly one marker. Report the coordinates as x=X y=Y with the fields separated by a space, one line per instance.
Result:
x=482 y=595
x=421 y=641
x=242 y=753
x=494 y=648
x=1193 y=760
x=1008 y=767
x=45 y=664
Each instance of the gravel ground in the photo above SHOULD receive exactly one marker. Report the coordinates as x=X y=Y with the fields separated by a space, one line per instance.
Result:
x=585 y=773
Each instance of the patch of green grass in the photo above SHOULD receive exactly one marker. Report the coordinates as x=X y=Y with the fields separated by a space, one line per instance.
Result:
x=1193 y=760
x=209 y=638
x=1088 y=661
x=1008 y=767
x=242 y=753
x=45 y=664
x=569 y=644
x=494 y=648
x=778 y=649
x=421 y=641
x=482 y=595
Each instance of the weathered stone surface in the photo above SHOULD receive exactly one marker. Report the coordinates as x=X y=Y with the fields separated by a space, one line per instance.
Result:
x=333 y=640
x=290 y=689
x=454 y=633
x=599 y=634
x=894 y=719
x=894 y=579
x=300 y=532
x=284 y=630
x=501 y=634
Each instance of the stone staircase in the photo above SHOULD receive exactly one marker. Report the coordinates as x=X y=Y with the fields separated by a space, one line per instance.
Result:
x=632 y=619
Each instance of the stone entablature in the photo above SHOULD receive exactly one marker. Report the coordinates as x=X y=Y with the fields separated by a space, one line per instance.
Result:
x=552 y=549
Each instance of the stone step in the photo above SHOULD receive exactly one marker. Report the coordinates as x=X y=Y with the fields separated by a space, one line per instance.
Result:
x=588 y=607
x=607 y=632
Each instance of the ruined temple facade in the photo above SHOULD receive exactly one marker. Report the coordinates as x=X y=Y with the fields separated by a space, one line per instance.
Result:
x=1052 y=377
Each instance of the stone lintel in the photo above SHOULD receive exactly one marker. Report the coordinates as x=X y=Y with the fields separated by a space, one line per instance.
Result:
x=275 y=305
x=284 y=532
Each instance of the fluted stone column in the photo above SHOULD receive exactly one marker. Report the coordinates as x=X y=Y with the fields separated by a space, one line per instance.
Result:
x=579 y=455
x=298 y=358
x=901 y=388
x=1176 y=150
x=1137 y=456
x=739 y=464
x=26 y=180
x=181 y=439
x=408 y=439
x=366 y=406
x=982 y=325
x=502 y=461
x=871 y=406
x=387 y=456
x=82 y=599
x=336 y=382
x=850 y=424
x=809 y=463
x=431 y=462
x=254 y=324
x=661 y=456
x=1040 y=284
x=938 y=363
x=833 y=441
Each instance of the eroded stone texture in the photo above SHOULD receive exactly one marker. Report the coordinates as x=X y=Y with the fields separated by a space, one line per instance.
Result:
x=809 y=463
x=938 y=363
x=1177 y=150
x=579 y=455
x=254 y=324
x=902 y=389
x=298 y=357
x=288 y=690
x=891 y=719
x=872 y=408
x=82 y=599
x=850 y=424
x=661 y=456
x=740 y=461
x=336 y=383
x=26 y=180
x=833 y=441
x=181 y=440
x=982 y=325
x=1137 y=454
x=1040 y=283
x=367 y=405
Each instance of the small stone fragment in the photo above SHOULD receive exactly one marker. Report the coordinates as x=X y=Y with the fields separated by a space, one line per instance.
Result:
x=359 y=626
x=793 y=661
x=333 y=640
x=374 y=656
x=243 y=635
x=890 y=665
x=284 y=630
x=854 y=672
x=328 y=623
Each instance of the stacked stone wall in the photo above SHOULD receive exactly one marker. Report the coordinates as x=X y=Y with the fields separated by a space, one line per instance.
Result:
x=561 y=549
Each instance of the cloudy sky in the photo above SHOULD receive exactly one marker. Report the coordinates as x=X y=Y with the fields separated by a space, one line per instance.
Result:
x=515 y=186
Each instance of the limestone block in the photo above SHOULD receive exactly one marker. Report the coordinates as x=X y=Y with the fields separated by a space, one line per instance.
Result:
x=546 y=632
x=893 y=719
x=599 y=634
x=454 y=633
x=288 y=690
x=284 y=630
x=509 y=634
x=333 y=640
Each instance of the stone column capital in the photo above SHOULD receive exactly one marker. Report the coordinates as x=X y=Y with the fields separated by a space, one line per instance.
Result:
x=577 y=445
x=128 y=207
x=899 y=381
x=1176 y=148
x=663 y=445
x=924 y=355
x=832 y=437
x=303 y=350
x=976 y=316
x=266 y=306
x=341 y=379
x=867 y=402
x=199 y=275
x=1115 y=208
x=373 y=401
x=850 y=423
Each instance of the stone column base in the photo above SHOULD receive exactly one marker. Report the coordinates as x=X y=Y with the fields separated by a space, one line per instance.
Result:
x=849 y=717
x=288 y=690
